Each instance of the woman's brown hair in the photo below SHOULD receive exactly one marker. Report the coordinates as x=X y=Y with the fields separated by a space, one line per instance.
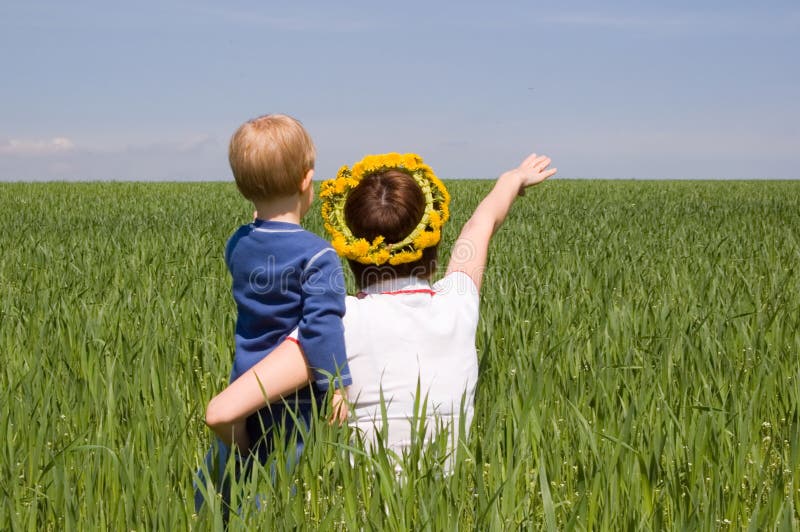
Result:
x=388 y=204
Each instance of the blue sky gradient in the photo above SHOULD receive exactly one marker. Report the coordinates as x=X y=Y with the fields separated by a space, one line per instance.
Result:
x=153 y=90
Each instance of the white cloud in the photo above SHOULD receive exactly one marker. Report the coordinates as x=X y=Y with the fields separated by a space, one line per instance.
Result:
x=36 y=147
x=193 y=157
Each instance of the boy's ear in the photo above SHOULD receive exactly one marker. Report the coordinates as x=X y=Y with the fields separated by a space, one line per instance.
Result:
x=306 y=182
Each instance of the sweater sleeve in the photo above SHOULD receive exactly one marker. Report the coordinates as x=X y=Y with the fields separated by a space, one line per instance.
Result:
x=230 y=245
x=321 y=333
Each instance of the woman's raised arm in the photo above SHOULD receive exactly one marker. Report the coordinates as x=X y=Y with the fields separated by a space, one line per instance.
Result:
x=472 y=247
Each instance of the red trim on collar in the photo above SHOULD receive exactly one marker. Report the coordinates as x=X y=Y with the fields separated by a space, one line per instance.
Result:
x=415 y=291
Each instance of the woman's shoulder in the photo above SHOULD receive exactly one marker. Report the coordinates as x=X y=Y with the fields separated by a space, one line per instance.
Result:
x=456 y=284
x=457 y=292
x=352 y=312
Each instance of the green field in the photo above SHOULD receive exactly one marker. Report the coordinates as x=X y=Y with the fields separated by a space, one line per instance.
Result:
x=639 y=354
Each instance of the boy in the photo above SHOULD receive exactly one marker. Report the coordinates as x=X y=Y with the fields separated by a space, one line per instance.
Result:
x=284 y=277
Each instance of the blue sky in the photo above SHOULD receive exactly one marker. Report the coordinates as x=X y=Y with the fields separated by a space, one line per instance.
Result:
x=153 y=90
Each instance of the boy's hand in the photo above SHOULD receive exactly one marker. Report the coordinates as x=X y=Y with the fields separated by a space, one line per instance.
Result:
x=339 y=408
x=533 y=170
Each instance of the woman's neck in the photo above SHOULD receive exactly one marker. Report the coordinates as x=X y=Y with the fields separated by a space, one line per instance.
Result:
x=392 y=284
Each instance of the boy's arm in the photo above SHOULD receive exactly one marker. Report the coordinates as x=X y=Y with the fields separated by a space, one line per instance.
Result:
x=320 y=332
x=472 y=247
x=281 y=373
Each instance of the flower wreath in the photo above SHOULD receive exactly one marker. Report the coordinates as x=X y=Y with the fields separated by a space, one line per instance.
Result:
x=427 y=233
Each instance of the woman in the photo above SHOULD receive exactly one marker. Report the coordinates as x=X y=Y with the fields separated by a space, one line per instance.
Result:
x=402 y=334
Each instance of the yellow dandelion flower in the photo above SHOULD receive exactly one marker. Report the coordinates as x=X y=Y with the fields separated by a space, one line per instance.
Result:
x=359 y=247
x=445 y=212
x=404 y=257
x=340 y=185
x=339 y=244
x=427 y=239
x=358 y=171
x=394 y=160
x=439 y=185
x=379 y=257
x=435 y=219
x=326 y=188
x=411 y=161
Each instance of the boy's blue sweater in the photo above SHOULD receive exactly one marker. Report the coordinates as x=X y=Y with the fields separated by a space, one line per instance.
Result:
x=285 y=277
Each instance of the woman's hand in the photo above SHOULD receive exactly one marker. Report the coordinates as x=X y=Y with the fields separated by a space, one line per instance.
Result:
x=533 y=170
x=471 y=249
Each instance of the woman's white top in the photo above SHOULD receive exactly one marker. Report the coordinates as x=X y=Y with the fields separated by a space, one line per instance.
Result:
x=405 y=334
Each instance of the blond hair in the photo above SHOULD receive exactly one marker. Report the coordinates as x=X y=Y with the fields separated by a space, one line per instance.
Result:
x=269 y=156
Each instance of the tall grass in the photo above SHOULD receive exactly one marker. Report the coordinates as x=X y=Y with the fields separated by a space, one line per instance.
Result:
x=638 y=352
